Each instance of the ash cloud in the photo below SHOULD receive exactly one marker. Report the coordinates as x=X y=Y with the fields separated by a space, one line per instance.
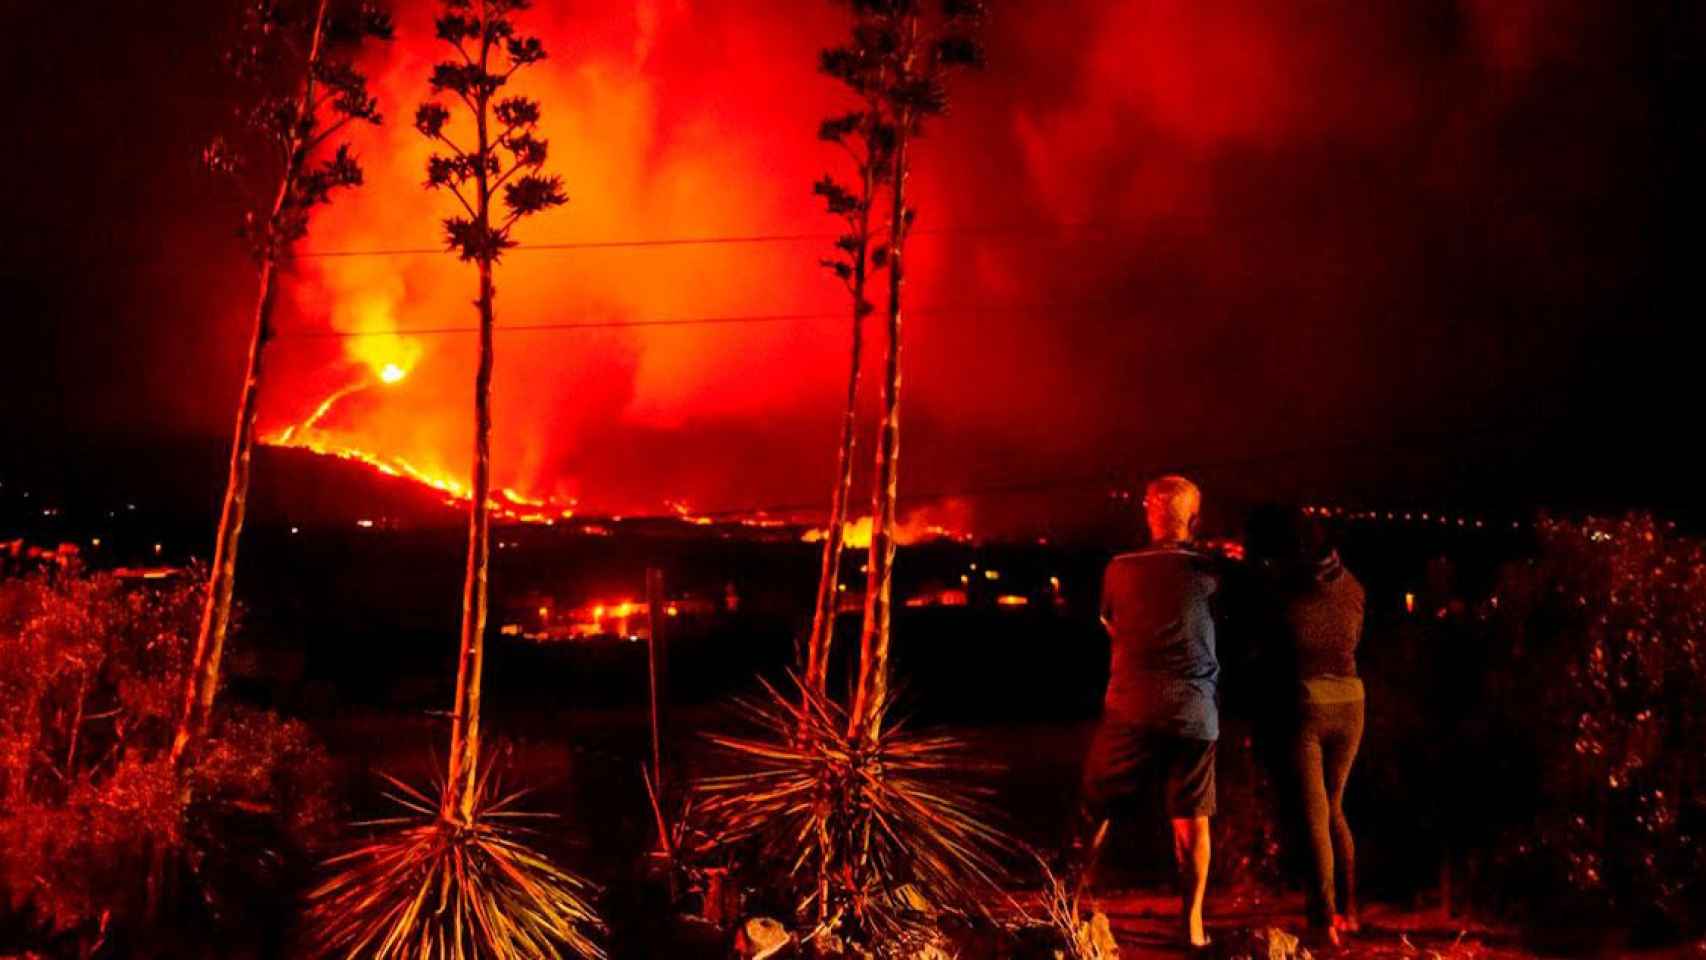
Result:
x=1295 y=227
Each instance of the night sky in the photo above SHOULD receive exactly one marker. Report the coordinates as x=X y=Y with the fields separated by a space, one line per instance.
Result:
x=1367 y=253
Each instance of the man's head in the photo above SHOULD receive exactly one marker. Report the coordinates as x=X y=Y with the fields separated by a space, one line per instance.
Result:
x=1172 y=504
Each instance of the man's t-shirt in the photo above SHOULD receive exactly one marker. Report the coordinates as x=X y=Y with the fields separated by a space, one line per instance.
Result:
x=1163 y=672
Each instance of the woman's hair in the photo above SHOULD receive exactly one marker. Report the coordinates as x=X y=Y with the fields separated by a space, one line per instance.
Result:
x=1286 y=536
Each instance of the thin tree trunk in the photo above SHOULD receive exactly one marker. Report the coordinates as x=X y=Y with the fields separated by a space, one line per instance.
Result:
x=866 y=716
x=829 y=577
x=462 y=780
x=201 y=682
x=655 y=653
x=822 y=636
x=76 y=727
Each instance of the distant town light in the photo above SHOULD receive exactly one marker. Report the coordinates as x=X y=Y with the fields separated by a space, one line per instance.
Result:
x=364 y=523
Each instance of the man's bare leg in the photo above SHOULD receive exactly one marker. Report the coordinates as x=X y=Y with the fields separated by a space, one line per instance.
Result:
x=1191 y=853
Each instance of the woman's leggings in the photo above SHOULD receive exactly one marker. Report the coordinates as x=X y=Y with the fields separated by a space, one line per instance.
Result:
x=1327 y=741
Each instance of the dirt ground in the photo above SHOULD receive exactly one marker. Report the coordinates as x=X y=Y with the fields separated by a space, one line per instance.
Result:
x=1145 y=924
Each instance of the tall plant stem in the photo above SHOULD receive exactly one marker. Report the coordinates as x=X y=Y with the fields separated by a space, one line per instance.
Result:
x=462 y=779
x=201 y=682
x=829 y=577
x=872 y=690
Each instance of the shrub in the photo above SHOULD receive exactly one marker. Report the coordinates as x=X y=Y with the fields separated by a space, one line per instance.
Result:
x=94 y=830
x=1618 y=630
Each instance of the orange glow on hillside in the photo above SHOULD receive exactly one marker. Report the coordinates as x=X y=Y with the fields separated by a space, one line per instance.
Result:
x=947 y=520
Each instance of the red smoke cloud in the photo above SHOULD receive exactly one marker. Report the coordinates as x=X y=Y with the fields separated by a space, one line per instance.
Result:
x=1253 y=187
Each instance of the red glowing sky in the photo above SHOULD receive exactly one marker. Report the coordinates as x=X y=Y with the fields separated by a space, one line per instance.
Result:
x=1309 y=226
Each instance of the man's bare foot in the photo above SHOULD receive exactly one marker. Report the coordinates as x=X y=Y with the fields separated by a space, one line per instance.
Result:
x=1195 y=936
x=1346 y=923
x=1326 y=935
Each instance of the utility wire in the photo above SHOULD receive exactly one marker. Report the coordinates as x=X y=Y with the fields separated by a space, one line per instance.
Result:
x=534 y=327
x=732 y=240
x=970 y=308
x=584 y=245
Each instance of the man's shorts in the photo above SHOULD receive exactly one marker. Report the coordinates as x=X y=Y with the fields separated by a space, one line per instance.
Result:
x=1133 y=768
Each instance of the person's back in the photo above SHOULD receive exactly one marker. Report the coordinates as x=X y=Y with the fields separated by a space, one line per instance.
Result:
x=1160 y=722
x=1163 y=669
x=1322 y=619
x=1319 y=617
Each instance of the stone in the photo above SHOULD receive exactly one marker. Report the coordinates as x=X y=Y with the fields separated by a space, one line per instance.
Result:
x=1102 y=937
x=1038 y=941
x=1263 y=943
x=1276 y=944
x=761 y=937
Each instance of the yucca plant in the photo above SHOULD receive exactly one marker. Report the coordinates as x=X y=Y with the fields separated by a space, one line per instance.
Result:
x=877 y=837
x=875 y=828
x=426 y=885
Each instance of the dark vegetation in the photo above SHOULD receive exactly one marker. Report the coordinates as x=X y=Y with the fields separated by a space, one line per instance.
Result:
x=100 y=849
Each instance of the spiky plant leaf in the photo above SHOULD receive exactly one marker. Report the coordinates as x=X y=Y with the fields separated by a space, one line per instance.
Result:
x=424 y=885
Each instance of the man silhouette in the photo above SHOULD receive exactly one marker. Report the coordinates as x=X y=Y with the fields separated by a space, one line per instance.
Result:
x=1160 y=722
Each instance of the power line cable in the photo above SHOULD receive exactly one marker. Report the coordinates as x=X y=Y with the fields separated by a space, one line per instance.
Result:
x=732 y=240
x=937 y=309
x=536 y=327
